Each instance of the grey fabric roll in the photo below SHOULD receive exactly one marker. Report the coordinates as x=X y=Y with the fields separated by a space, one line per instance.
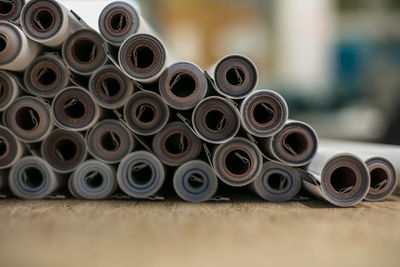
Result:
x=216 y=120
x=11 y=149
x=9 y=89
x=277 y=182
x=237 y=162
x=46 y=76
x=93 y=180
x=48 y=22
x=29 y=118
x=33 y=178
x=140 y=174
x=64 y=150
x=195 y=181
x=11 y=10
x=175 y=144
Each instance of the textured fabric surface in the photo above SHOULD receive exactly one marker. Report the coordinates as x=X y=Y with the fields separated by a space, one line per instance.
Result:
x=241 y=233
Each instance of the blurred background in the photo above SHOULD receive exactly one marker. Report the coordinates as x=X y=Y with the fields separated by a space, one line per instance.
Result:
x=337 y=62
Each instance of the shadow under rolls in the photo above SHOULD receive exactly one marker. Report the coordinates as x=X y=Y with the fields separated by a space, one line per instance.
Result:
x=110 y=87
x=340 y=178
x=195 y=181
x=175 y=144
x=235 y=76
x=64 y=150
x=48 y=22
x=264 y=113
x=295 y=144
x=140 y=174
x=110 y=141
x=16 y=50
x=93 y=180
x=83 y=52
x=183 y=85
x=29 y=119
x=74 y=109
x=9 y=89
x=146 y=113
x=216 y=120
x=32 y=177
x=277 y=182
x=237 y=162
x=46 y=76
x=11 y=9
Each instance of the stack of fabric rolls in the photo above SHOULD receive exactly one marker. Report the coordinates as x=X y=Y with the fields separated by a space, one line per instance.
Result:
x=113 y=112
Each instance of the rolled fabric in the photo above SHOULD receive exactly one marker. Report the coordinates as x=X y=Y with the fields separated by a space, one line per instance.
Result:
x=9 y=89
x=195 y=181
x=183 y=85
x=294 y=145
x=29 y=118
x=143 y=57
x=46 y=76
x=146 y=113
x=16 y=51
x=264 y=113
x=110 y=141
x=110 y=87
x=74 y=109
x=140 y=174
x=83 y=51
x=340 y=178
x=93 y=180
x=119 y=20
x=33 y=178
x=277 y=182
x=382 y=161
x=64 y=150
x=11 y=9
x=11 y=149
x=175 y=144
x=237 y=162
x=235 y=76
x=216 y=120
x=48 y=22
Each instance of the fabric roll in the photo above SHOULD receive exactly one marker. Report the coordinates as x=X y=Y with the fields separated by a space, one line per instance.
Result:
x=11 y=10
x=9 y=89
x=11 y=149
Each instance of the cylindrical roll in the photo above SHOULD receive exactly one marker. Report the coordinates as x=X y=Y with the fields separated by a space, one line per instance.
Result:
x=83 y=51
x=119 y=20
x=146 y=113
x=277 y=182
x=48 y=22
x=216 y=120
x=93 y=180
x=10 y=148
x=340 y=178
x=64 y=150
x=295 y=144
x=11 y=9
x=383 y=163
x=264 y=113
x=237 y=162
x=175 y=144
x=110 y=141
x=46 y=76
x=142 y=57
x=29 y=119
x=16 y=50
x=9 y=89
x=383 y=178
x=235 y=76
x=32 y=178
x=110 y=87
x=195 y=181
x=74 y=109
x=140 y=174
x=183 y=85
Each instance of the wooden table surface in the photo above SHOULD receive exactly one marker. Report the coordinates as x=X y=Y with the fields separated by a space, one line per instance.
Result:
x=174 y=233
